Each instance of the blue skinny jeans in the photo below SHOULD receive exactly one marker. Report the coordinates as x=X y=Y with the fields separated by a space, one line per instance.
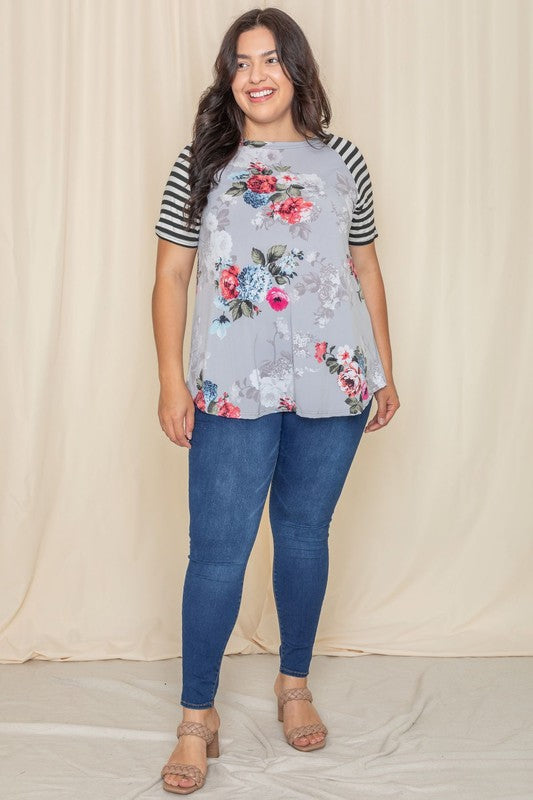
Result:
x=232 y=464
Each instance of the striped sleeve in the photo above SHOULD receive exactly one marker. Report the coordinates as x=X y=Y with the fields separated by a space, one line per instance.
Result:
x=363 y=229
x=172 y=224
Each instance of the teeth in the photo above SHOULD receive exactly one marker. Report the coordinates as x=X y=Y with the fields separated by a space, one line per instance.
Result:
x=262 y=93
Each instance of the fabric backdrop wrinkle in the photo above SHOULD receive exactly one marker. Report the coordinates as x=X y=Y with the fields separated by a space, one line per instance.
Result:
x=430 y=544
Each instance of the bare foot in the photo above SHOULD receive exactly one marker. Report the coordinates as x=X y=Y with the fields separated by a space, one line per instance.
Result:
x=297 y=712
x=191 y=749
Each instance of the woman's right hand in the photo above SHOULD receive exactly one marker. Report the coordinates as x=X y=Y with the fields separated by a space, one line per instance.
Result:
x=176 y=412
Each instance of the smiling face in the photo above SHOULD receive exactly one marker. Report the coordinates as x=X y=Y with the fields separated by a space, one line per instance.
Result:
x=261 y=88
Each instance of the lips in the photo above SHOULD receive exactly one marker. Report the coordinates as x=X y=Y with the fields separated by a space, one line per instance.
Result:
x=261 y=97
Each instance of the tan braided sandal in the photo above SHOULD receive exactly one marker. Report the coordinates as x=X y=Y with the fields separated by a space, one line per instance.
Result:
x=301 y=693
x=191 y=770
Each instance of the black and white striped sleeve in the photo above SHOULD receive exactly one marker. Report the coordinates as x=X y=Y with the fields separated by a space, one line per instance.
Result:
x=172 y=224
x=362 y=229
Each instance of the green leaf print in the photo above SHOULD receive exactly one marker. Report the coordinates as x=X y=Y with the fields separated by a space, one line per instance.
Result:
x=355 y=405
x=247 y=308
x=235 y=308
x=275 y=252
x=258 y=257
x=294 y=191
x=235 y=191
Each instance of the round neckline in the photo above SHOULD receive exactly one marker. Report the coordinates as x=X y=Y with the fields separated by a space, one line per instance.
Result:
x=291 y=143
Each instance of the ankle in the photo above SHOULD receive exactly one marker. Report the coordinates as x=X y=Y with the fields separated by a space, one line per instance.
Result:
x=292 y=681
x=203 y=715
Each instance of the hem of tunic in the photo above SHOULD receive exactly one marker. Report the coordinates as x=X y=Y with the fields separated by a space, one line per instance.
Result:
x=309 y=414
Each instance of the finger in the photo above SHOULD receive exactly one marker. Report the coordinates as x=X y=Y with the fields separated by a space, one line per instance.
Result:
x=382 y=412
x=189 y=422
x=178 y=432
x=372 y=424
x=168 y=427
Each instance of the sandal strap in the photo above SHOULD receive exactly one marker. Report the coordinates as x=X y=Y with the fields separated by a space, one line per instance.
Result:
x=297 y=693
x=195 y=729
x=306 y=730
x=186 y=770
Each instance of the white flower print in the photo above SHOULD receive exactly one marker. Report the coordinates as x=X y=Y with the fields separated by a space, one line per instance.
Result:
x=271 y=387
x=282 y=329
x=327 y=285
x=312 y=182
x=211 y=222
x=345 y=354
x=301 y=342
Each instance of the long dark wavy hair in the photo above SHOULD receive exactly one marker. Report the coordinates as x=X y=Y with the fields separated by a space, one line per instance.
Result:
x=219 y=123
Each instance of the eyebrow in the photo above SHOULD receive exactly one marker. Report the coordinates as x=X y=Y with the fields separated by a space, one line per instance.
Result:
x=265 y=53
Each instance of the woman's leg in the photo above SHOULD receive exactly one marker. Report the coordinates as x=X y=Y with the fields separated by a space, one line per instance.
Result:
x=231 y=462
x=315 y=455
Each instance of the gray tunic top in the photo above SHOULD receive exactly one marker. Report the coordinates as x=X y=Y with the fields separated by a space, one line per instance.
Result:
x=280 y=320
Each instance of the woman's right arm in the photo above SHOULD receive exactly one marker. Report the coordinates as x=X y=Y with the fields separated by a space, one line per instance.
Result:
x=174 y=266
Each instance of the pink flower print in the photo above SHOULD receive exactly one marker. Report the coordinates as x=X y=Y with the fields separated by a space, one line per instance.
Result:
x=352 y=268
x=291 y=209
x=262 y=184
x=199 y=400
x=320 y=349
x=344 y=354
x=259 y=166
x=287 y=403
x=277 y=298
x=352 y=381
x=227 y=409
x=229 y=282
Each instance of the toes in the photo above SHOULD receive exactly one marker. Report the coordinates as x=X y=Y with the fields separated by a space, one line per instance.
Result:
x=302 y=741
x=179 y=780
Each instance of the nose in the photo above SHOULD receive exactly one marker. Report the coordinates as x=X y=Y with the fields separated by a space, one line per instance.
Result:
x=257 y=73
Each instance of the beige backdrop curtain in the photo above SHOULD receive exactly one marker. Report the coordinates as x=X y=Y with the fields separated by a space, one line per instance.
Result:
x=431 y=543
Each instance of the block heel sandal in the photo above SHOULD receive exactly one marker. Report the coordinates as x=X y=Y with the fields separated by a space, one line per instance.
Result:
x=191 y=770
x=301 y=693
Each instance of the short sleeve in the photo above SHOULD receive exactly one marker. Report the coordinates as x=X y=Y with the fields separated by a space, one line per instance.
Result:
x=172 y=224
x=362 y=229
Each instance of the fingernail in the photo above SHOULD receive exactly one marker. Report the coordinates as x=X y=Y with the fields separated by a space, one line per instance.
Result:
x=381 y=420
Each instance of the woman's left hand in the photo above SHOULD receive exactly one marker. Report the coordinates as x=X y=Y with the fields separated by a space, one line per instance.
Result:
x=388 y=403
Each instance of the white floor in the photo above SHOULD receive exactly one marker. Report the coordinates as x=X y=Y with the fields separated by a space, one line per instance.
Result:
x=400 y=727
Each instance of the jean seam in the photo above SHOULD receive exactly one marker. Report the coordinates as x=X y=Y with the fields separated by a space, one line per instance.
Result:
x=275 y=593
x=195 y=705
x=295 y=673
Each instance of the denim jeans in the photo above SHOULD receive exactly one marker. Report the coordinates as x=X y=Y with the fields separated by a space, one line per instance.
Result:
x=232 y=464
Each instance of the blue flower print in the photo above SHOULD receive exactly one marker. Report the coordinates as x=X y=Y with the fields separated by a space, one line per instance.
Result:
x=238 y=176
x=210 y=391
x=254 y=199
x=254 y=283
x=219 y=326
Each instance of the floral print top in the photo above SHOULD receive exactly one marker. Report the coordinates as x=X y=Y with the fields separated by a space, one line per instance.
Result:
x=280 y=320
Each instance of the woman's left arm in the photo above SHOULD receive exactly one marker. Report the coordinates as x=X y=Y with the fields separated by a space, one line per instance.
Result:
x=368 y=273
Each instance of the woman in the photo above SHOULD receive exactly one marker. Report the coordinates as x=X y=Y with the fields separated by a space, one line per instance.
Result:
x=289 y=344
